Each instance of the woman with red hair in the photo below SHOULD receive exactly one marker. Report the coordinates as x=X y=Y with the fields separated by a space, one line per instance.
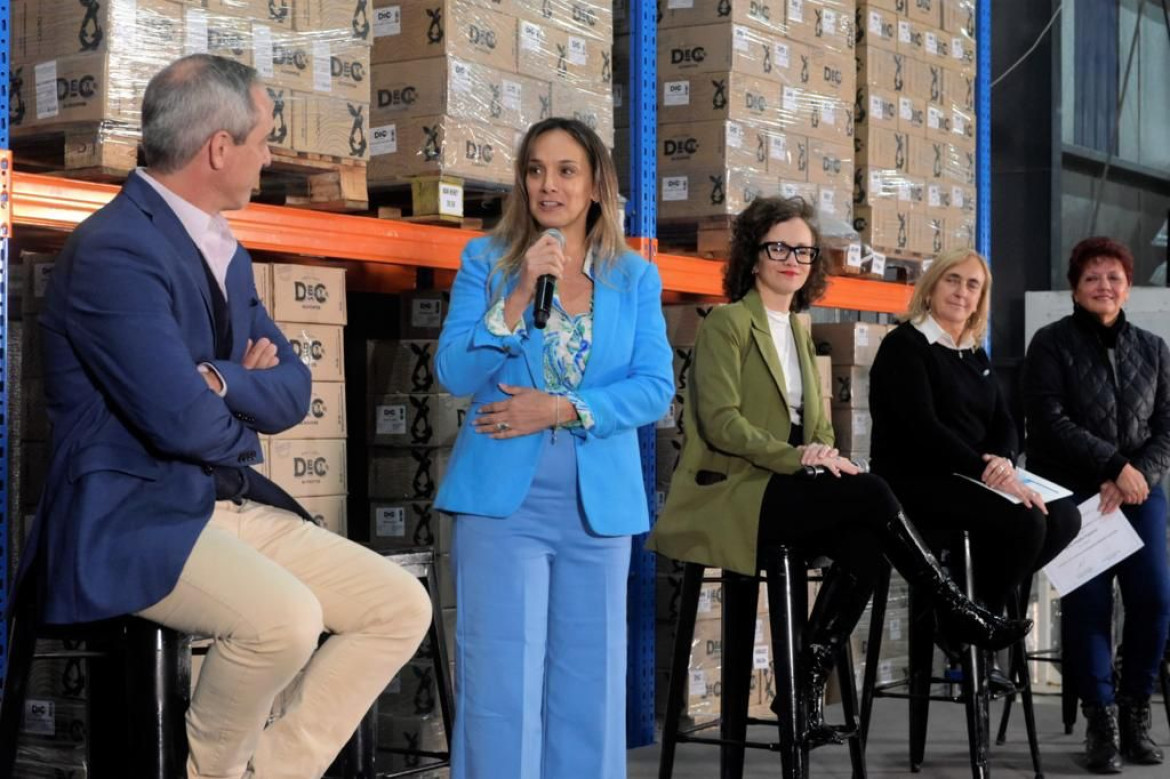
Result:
x=1097 y=397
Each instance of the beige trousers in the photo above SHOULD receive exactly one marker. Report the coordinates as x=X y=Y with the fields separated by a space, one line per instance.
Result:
x=265 y=584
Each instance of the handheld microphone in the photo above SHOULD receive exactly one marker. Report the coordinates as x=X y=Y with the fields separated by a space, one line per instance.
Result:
x=545 y=285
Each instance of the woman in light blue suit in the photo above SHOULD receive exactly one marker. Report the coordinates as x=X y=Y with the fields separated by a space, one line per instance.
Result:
x=546 y=481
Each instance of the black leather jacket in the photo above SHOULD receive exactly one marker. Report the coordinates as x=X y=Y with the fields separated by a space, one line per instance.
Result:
x=1084 y=422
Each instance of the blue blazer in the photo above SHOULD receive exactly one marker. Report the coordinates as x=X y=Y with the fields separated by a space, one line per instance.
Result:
x=628 y=382
x=127 y=319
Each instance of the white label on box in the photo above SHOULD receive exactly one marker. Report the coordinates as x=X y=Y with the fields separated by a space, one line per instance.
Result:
x=790 y=99
x=673 y=4
x=760 y=658
x=390 y=522
x=875 y=183
x=262 y=49
x=958 y=123
x=676 y=93
x=957 y=49
x=906 y=106
x=876 y=109
x=426 y=313
x=829 y=201
x=46 y=75
x=789 y=189
x=934 y=118
x=759 y=639
x=957 y=199
x=460 y=77
x=666 y=421
x=781 y=56
x=795 y=11
x=895 y=628
x=675 y=188
x=531 y=36
x=878 y=264
x=829 y=113
x=735 y=135
x=862 y=333
x=578 y=51
x=778 y=147
x=383 y=140
x=905 y=191
x=904 y=35
x=390 y=420
x=886 y=671
x=739 y=37
x=706 y=601
x=322 y=67
x=387 y=21
x=619 y=93
x=875 y=23
x=830 y=20
x=513 y=95
x=196 y=40
x=853 y=256
x=934 y=196
x=40 y=717
x=450 y=200
x=932 y=44
x=698 y=684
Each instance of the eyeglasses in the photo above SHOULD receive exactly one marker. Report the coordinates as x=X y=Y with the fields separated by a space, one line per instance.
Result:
x=780 y=251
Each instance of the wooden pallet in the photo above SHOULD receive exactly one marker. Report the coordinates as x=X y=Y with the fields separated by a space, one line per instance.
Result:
x=315 y=181
x=708 y=237
x=441 y=200
x=92 y=151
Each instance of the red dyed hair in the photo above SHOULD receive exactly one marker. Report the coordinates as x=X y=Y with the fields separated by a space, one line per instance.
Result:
x=1098 y=247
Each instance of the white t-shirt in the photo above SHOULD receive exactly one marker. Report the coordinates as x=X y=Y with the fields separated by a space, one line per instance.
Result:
x=780 y=323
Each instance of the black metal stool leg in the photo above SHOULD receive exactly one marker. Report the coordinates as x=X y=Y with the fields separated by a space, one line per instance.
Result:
x=1068 y=694
x=921 y=649
x=740 y=597
x=158 y=702
x=1164 y=680
x=784 y=608
x=848 y=683
x=676 y=694
x=976 y=691
x=873 y=649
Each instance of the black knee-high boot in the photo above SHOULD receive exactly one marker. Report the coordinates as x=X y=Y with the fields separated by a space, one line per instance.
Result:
x=838 y=607
x=960 y=619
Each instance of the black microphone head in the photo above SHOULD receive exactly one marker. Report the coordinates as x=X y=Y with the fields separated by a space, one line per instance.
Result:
x=553 y=232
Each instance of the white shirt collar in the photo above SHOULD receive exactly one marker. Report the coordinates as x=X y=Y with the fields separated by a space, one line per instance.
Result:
x=934 y=333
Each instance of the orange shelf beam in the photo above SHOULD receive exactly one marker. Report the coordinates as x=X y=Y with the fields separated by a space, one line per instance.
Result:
x=61 y=204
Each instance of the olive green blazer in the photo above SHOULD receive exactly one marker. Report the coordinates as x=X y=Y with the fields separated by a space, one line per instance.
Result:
x=736 y=417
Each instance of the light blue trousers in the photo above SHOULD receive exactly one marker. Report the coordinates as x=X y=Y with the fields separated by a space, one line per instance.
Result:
x=540 y=656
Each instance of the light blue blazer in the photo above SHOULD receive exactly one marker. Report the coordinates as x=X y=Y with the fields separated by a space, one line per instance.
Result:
x=628 y=382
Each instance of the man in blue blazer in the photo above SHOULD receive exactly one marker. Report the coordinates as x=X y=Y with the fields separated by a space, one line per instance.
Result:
x=161 y=369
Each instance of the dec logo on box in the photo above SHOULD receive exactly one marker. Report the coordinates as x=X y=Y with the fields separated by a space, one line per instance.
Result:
x=303 y=292
x=304 y=466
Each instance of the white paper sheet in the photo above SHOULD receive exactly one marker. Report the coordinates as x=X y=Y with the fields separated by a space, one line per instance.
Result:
x=1104 y=541
x=1049 y=491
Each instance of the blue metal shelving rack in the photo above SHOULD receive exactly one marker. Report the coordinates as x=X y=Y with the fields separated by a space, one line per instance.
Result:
x=983 y=136
x=641 y=219
x=5 y=229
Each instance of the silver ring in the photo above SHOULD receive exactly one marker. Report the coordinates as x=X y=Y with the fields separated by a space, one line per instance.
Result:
x=502 y=426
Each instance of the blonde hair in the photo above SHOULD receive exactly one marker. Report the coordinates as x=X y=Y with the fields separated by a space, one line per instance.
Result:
x=517 y=230
x=976 y=325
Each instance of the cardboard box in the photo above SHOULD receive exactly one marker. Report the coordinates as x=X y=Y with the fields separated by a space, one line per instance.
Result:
x=912 y=114
x=339 y=68
x=958 y=16
x=825 y=24
x=852 y=431
x=925 y=11
x=422 y=312
x=767 y=15
x=877 y=27
x=417 y=733
x=850 y=387
x=78 y=88
x=668 y=595
x=275 y=13
x=935 y=160
x=262 y=278
x=834 y=202
x=875 y=109
x=401 y=367
x=411 y=693
x=326 y=415
x=829 y=118
x=404 y=524
x=328 y=511
x=911 y=38
x=713 y=144
x=830 y=163
x=886 y=227
x=285 y=104
x=547 y=52
x=804 y=190
x=683 y=321
x=47 y=29
x=308 y=293
x=406 y=474
x=320 y=347
x=37 y=270
x=937 y=77
x=891 y=188
x=431 y=145
x=711 y=192
x=879 y=148
x=730 y=96
x=459 y=89
x=309 y=469
x=594 y=107
x=467 y=30
x=352 y=18
x=829 y=73
x=329 y=126
x=416 y=420
x=590 y=18
x=684 y=51
x=667 y=452
x=959 y=88
x=825 y=377
x=218 y=34
x=849 y=343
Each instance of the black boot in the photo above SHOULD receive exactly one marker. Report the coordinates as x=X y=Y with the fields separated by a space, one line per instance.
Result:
x=962 y=620
x=1101 y=741
x=838 y=607
x=1136 y=745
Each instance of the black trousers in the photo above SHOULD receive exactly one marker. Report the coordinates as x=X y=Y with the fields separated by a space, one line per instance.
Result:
x=1008 y=541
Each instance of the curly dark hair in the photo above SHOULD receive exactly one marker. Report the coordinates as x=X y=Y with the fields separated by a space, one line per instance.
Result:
x=1095 y=248
x=749 y=229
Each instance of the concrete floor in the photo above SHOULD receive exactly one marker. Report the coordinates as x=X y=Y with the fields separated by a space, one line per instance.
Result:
x=946 y=748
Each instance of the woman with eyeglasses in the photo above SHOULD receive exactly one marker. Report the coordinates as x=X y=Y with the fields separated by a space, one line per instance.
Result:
x=944 y=439
x=755 y=430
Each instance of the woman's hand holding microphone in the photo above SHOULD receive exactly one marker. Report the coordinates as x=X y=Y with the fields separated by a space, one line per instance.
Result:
x=824 y=456
x=546 y=257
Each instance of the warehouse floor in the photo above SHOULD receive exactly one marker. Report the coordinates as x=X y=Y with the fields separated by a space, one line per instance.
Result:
x=946 y=749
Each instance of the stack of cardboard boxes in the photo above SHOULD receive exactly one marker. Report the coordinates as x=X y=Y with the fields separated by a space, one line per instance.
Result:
x=914 y=189
x=457 y=82
x=755 y=99
x=89 y=63
x=309 y=460
x=851 y=348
